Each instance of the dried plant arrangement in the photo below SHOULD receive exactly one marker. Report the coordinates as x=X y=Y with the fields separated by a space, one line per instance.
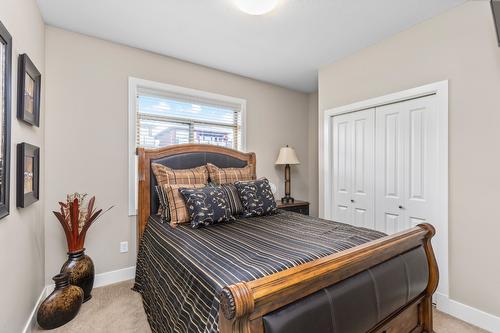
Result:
x=76 y=215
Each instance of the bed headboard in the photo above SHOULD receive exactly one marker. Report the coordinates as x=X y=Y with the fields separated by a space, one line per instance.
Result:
x=183 y=156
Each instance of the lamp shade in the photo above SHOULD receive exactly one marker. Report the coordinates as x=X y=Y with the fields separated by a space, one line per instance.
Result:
x=287 y=156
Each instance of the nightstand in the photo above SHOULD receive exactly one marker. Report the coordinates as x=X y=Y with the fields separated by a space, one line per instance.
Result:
x=301 y=207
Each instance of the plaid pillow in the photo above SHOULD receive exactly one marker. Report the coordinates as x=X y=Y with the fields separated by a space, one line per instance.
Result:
x=176 y=203
x=230 y=175
x=163 y=210
x=168 y=176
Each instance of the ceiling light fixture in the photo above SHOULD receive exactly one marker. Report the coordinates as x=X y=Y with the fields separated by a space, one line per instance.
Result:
x=256 y=7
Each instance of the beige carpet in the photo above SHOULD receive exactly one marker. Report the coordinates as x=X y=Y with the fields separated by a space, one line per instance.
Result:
x=116 y=308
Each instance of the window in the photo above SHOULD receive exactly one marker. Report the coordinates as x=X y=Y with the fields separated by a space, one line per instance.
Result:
x=161 y=115
x=167 y=119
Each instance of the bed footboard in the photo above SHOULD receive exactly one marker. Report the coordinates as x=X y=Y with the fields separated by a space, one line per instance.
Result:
x=245 y=304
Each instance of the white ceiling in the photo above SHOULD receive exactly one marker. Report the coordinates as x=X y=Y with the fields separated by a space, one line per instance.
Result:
x=285 y=47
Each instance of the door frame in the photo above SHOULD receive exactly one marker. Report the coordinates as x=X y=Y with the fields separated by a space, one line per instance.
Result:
x=440 y=90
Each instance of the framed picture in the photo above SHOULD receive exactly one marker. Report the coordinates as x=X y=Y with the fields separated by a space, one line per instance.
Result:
x=5 y=111
x=29 y=85
x=28 y=174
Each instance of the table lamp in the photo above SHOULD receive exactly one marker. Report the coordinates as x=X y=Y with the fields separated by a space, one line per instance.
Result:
x=286 y=157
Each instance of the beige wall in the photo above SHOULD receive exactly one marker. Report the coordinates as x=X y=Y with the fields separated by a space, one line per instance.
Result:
x=22 y=232
x=86 y=137
x=460 y=46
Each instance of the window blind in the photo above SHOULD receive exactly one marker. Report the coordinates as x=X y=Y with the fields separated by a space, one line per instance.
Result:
x=165 y=118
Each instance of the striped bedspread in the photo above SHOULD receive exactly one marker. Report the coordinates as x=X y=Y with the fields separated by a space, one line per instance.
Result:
x=180 y=271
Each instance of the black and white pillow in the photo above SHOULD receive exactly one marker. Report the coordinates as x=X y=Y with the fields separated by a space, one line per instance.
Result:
x=233 y=199
x=207 y=205
x=164 y=210
x=256 y=197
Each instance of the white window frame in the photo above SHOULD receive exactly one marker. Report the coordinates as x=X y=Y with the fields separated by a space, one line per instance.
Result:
x=134 y=84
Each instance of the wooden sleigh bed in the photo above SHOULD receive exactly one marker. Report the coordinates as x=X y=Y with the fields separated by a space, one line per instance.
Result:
x=385 y=284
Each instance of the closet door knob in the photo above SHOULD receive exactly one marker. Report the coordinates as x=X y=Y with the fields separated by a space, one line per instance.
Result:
x=401 y=207
x=352 y=200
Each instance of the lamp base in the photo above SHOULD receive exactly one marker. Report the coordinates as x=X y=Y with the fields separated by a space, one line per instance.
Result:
x=287 y=199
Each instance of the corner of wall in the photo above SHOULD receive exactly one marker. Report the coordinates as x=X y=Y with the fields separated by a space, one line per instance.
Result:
x=313 y=152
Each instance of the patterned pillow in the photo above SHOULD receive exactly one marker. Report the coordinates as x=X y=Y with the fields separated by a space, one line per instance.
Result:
x=176 y=204
x=230 y=175
x=206 y=205
x=256 y=197
x=168 y=176
x=163 y=210
x=233 y=199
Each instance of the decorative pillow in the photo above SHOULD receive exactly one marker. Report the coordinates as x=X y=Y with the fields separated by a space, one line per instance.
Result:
x=176 y=204
x=230 y=175
x=163 y=210
x=256 y=197
x=233 y=199
x=206 y=205
x=168 y=176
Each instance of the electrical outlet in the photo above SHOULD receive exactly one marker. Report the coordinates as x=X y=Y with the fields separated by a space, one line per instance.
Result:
x=123 y=247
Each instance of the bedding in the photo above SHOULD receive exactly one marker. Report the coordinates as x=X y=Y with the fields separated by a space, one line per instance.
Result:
x=206 y=206
x=163 y=210
x=176 y=204
x=233 y=199
x=168 y=176
x=181 y=271
x=256 y=197
x=229 y=175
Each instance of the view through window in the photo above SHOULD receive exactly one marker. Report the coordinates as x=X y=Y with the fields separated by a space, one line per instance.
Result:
x=168 y=120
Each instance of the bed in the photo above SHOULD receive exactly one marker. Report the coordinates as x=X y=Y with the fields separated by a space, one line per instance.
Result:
x=281 y=273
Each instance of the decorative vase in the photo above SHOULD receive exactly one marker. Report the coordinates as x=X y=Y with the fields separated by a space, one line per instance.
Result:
x=80 y=268
x=62 y=305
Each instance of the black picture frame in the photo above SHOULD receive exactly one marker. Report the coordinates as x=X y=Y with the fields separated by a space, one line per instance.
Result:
x=495 y=9
x=6 y=41
x=29 y=79
x=28 y=167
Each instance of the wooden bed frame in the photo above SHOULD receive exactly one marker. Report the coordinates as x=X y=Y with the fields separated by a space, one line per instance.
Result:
x=244 y=304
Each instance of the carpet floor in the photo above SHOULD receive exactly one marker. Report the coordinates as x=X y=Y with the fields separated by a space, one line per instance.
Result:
x=117 y=308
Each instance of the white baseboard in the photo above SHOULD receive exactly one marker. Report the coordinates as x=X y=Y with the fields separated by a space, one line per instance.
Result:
x=100 y=280
x=107 y=278
x=30 y=324
x=112 y=277
x=467 y=313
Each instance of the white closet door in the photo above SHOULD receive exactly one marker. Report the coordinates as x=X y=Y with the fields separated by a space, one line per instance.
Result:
x=362 y=197
x=389 y=165
x=342 y=159
x=353 y=169
x=406 y=153
x=422 y=156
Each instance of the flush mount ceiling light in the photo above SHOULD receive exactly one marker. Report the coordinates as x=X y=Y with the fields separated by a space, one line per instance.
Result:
x=256 y=7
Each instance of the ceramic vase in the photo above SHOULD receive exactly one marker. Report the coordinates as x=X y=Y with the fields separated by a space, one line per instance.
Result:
x=80 y=268
x=62 y=305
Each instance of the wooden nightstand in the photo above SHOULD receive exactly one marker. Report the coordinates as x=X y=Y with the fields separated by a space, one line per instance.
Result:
x=301 y=207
